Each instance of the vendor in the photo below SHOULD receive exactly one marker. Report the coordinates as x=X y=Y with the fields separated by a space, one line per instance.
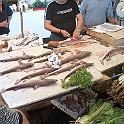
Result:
x=95 y=12
x=60 y=19
x=5 y=17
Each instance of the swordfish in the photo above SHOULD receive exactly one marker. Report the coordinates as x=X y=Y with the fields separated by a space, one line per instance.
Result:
x=20 y=66
x=22 y=57
x=31 y=83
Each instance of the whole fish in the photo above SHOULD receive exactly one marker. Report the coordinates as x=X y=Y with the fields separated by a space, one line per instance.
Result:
x=112 y=52
x=67 y=68
x=75 y=69
x=23 y=57
x=59 y=50
x=79 y=55
x=41 y=72
x=21 y=66
x=30 y=40
x=31 y=83
x=41 y=60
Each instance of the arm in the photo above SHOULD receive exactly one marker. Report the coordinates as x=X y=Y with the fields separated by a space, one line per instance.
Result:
x=112 y=20
x=9 y=18
x=48 y=26
x=110 y=15
x=79 y=26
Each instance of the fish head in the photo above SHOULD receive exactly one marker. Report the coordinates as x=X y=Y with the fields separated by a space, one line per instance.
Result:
x=55 y=80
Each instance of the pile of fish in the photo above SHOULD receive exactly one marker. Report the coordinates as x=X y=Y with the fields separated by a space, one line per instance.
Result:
x=16 y=41
x=78 y=100
x=73 y=62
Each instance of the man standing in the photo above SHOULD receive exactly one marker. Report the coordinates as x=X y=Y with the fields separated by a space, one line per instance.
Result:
x=5 y=17
x=63 y=19
x=95 y=12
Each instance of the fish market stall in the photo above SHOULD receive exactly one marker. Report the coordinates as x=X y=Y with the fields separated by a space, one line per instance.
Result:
x=21 y=97
x=34 y=95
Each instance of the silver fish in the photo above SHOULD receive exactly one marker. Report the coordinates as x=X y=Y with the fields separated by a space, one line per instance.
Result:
x=23 y=57
x=21 y=66
x=112 y=52
x=67 y=68
x=58 y=50
x=75 y=69
x=41 y=72
x=31 y=83
x=78 y=56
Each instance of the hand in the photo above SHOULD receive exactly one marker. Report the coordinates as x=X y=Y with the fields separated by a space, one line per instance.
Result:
x=76 y=34
x=4 y=24
x=65 y=33
x=84 y=29
x=115 y=22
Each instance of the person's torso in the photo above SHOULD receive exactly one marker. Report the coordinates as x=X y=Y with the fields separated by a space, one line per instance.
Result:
x=96 y=12
x=64 y=16
x=4 y=17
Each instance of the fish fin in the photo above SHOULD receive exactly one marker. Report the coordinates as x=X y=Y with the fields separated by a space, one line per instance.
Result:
x=62 y=81
x=17 y=81
x=41 y=77
x=77 y=51
x=82 y=62
x=102 y=62
x=35 y=87
x=2 y=91
x=24 y=53
x=47 y=65
x=20 y=62
x=45 y=75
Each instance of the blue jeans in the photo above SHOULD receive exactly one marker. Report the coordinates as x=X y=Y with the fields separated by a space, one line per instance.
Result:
x=56 y=38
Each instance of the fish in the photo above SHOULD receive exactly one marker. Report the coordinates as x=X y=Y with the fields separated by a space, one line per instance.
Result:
x=82 y=65
x=59 y=50
x=79 y=55
x=41 y=72
x=30 y=40
x=67 y=68
x=31 y=83
x=41 y=60
x=20 y=66
x=22 y=57
x=112 y=52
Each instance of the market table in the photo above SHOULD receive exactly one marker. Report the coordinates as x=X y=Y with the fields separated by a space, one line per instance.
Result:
x=29 y=97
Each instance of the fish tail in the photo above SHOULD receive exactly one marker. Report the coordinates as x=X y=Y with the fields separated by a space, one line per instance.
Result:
x=102 y=62
x=62 y=81
x=17 y=81
x=2 y=91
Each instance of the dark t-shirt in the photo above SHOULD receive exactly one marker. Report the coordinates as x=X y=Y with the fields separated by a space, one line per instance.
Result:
x=62 y=16
x=6 y=11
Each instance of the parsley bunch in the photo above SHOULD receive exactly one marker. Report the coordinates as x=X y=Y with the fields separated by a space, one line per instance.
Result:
x=81 y=78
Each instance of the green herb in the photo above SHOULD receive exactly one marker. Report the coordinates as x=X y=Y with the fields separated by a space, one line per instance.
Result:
x=81 y=78
x=102 y=113
x=123 y=68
